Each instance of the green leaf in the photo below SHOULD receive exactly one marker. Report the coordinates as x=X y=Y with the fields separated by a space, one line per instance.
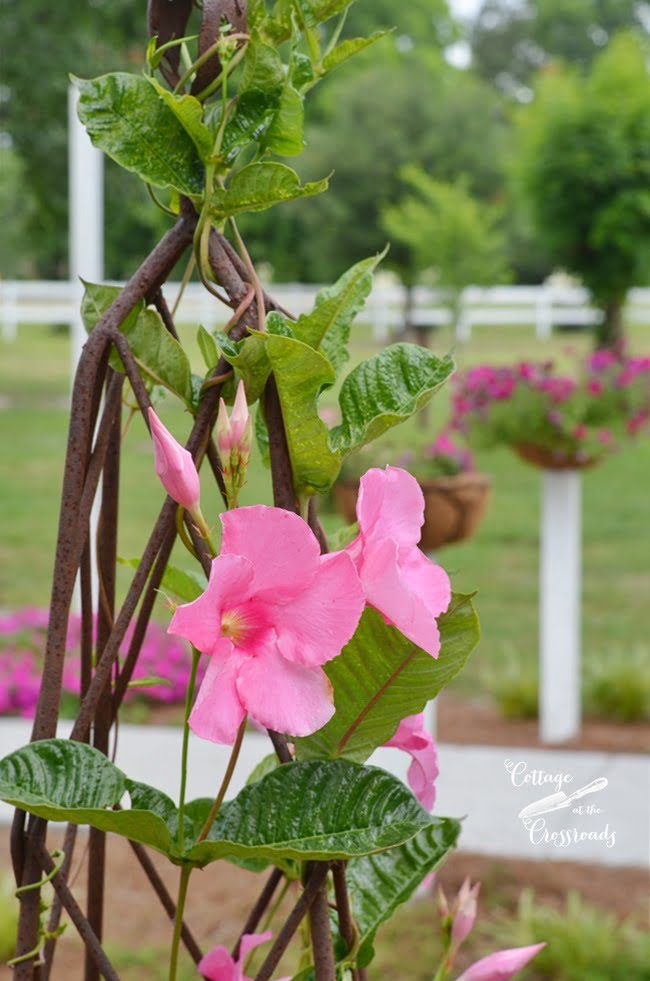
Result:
x=328 y=325
x=157 y=353
x=378 y=884
x=285 y=134
x=314 y=811
x=301 y=373
x=343 y=537
x=347 y=49
x=266 y=765
x=64 y=780
x=249 y=358
x=380 y=677
x=385 y=390
x=262 y=437
x=260 y=186
x=127 y=119
x=263 y=68
x=150 y=681
x=189 y=113
x=187 y=584
x=207 y=347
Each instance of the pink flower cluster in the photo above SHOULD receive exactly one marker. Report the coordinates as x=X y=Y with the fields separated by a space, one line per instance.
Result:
x=577 y=416
x=448 y=455
x=22 y=644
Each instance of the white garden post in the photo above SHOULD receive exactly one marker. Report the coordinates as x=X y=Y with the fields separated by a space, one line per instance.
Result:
x=85 y=219
x=560 y=589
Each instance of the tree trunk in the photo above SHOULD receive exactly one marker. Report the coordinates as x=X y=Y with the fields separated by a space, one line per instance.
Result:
x=610 y=333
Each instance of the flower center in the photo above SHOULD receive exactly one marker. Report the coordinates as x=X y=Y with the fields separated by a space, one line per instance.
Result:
x=234 y=625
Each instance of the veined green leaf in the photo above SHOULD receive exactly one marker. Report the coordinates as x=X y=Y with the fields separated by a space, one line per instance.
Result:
x=189 y=112
x=347 y=49
x=380 y=677
x=328 y=325
x=314 y=811
x=126 y=118
x=378 y=884
x=249 y=358
x=207 y=347
x=260 y=186
x=385 y=390
x=157 y=353
x=285 y=134
x=301 y=373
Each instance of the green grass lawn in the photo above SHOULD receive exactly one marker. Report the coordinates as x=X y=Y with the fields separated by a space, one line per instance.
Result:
x=501 y=562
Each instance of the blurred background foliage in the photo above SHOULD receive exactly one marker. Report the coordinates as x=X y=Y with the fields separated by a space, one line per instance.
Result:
x=441 y=93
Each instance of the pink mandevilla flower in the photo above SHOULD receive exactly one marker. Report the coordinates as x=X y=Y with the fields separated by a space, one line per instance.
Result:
x=408 y=589
x=502 y=965
x=413 y=737
x=218 y=965
x=274 y=611
x=174 y=466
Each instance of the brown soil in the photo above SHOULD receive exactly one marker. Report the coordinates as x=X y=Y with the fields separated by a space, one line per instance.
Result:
x=462 y=720
x=220 y=896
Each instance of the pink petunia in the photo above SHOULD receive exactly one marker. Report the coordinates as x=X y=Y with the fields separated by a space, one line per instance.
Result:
x=414 y=738
x=407 y=588
x=501 y=966
x=274 y=611
x=218 y=965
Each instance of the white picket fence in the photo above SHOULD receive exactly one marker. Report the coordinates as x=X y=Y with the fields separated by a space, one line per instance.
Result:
x=541 y=307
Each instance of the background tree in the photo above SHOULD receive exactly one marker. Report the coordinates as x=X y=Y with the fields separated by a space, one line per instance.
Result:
x=448 y=233
x=585 y=171
x=510 y=42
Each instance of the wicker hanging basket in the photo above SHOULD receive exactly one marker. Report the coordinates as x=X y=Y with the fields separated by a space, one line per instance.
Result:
x=541 y=456
x=453 y=506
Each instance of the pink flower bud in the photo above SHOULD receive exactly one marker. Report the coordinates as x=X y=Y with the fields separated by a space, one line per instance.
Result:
x=234 y=439
x=464 y=912
x=443 y=905
x=502 y=965
x=174 y=466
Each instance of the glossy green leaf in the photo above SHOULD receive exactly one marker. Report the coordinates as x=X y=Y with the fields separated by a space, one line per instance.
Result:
x=385 y=390
x=260 y=186
x=301 y=373
x=314 y=811
x=64 y=780
x=158 y=354
x=347 y=49
x=328 y=325
x=380 y=677
x=128 y=120
x=207 y=347
x=379 y=884
x=262 y=437
x=263 y=68
x=189 y=112
x=285 y=133
x=249 y=358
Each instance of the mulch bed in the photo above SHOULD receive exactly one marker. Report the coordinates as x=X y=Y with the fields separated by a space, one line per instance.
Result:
x=478 y=722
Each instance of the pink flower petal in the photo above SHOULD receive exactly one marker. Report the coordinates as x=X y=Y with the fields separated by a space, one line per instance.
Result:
x=391 y=593
x=218 y=711
x=426 y=579
x=287 y=697
x=313 y=627
x=280 y=546
x=218 y=965
x=390 y=505
x=231 y=579
x=501 y=966
x=250 y=941
x=413 y=738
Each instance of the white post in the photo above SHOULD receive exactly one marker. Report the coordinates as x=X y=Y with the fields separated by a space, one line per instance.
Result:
x=86 y=250
x=85 y=218
x=560 y=573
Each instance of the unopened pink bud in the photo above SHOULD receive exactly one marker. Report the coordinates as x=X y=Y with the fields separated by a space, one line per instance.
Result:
x=174 y=466
x=464 y=912
x=234 y=440
x=502 y=965
x=443 y=905
x=240 y=422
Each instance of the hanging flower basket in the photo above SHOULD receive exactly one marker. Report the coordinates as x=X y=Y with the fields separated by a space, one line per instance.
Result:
x=453 y=506
x=549 y=459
